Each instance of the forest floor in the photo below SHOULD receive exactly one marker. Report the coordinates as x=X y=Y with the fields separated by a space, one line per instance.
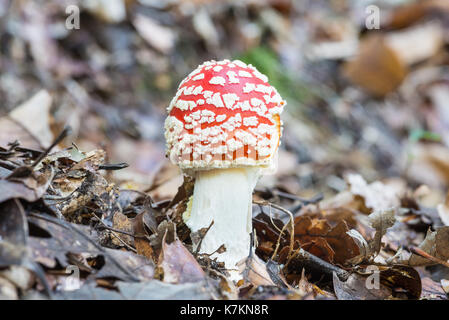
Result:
x=358 y=208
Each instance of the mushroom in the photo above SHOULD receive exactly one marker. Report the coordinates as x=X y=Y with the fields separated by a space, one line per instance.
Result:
x=223 y=128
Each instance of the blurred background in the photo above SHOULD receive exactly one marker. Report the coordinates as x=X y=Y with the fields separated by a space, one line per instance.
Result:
x=367 y=83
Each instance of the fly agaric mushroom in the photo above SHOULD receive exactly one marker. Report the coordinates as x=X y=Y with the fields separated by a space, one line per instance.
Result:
x=223 y=129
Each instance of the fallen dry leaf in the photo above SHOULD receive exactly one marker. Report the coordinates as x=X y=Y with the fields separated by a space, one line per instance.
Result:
x=445 y=285
x=435 y=244
x=34 y=116
x=377 y=67
x=178 y=264
x=28 y=188
x=355 y=288
x=377 y=195
x=432 y=290
x=381 y=221
x=121 y=222
x=254 y=270
x=332 y=244
x=111 y=11
x=12 y=130
x=158 y=36
x=430 y=37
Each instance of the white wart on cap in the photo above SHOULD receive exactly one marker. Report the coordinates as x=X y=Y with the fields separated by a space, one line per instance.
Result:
x=225 y=114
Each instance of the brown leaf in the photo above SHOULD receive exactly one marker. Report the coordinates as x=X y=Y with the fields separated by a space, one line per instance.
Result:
x=7 y=290
x=355 y=288
x=435 y=244
x=376 y=195
x=34 y=116
x=11 y=131
x=381 y=221
x=402 y=279
x=94 y=193
x=331 y=244
x=430 y=37
x=121 y=222
x=255 y=271
x=142 y=245
x=445 y=285
x=13 y=233
x=377 y=68
x=142 y=267
x=178 y=264
x=344 y=245
x=443 y=211
x=309 y=291
x=158 y=36
x=28 y=188
x=432 y=290
x=90 y=162
x=412 y=12
x=267 y=234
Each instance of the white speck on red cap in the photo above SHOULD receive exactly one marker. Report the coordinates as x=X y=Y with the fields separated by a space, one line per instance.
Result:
x=225 y=114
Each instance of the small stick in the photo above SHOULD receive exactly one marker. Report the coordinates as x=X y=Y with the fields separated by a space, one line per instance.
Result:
x=313 y=262
x=58 y=139
x=114 y=234
x=308 y=260
x=139 y=236
x=201 y=240
x=116 y=166
x=424 y=254
x=292 y=233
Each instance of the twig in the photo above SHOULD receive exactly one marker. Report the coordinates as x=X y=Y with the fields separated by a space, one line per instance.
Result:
x=201 y=240
x=316 y=198
x=58 y=139
x=116 y=166
x=23 y=171
x=139 y=236
x=114 y=234
x=424 y=254
x=292 y=233
x=312 y=262
x=308 y=260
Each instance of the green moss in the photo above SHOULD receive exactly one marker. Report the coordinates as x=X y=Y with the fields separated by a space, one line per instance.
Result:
x=419 y=134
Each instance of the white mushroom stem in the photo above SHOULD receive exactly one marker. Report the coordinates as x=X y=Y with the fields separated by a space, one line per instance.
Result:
x=225 y=197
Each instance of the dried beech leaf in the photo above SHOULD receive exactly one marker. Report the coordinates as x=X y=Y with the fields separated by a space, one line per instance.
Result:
x=121 y=222
x=377 y=195
x=445 y=285
x=380 y=220
x=443 y=211
x=255 y=271
x=34 y=115
x=142 y=245
x=430 y=37
x=436 y=244
x=433 y=290
x=331 y=244
x=377 y=67
x=158 y=36
x=30 y=188
x=355 y=288
x=364 y=247
x=178 y=264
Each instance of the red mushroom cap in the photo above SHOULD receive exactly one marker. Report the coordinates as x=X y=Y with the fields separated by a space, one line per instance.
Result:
x=225 y=114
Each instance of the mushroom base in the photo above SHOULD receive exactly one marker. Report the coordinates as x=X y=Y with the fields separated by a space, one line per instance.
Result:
x=225 y=197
